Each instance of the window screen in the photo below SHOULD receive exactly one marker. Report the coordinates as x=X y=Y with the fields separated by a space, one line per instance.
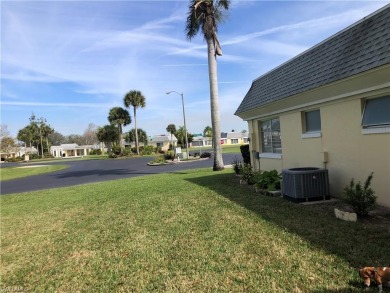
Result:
x=270 y=136
x=376 y=112
x=313 y=121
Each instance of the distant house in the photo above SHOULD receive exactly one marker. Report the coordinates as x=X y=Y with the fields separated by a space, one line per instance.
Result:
x=231 y=138
x=162 y=141
x=227 y=138
x=17 y=152
x=328 y=107
x=71 y=150
x=202 y=141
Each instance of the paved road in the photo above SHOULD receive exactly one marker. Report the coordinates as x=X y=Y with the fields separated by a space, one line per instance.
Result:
x=81 y=172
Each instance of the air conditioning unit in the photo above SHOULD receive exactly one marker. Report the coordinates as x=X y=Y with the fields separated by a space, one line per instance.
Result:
x=305 y=184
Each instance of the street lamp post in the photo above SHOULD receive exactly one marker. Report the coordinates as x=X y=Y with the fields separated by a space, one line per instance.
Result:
x=184 y=117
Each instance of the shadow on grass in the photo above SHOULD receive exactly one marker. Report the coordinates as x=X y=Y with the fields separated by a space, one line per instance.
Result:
x=358 y=244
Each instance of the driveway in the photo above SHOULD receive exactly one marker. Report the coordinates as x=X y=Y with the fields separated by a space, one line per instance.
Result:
x=88 y=171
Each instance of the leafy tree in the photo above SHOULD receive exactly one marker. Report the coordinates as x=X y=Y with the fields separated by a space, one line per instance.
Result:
x=39 y=129
x=35 y=133
x=208 y=131
x=142 y=136
x=119 y=117
x=46 y=130
x=109 y=134
x=75 y=138
x=56 y=138
x=136 y=100
x=171 y=128
x=206 y=15
x=25 y=135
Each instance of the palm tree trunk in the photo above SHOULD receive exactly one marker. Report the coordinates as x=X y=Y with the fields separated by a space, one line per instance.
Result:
x=121 y=144
x=136 y=130
x=214 y=105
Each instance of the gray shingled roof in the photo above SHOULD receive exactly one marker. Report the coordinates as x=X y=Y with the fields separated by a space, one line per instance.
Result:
x=360 y=47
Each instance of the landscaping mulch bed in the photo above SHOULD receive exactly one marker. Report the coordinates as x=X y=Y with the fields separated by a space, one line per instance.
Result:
x=379 y=217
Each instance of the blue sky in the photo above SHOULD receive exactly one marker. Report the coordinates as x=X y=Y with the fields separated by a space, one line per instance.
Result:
x=71 y=61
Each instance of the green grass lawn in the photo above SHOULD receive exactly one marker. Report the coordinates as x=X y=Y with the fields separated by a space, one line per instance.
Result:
x=231 y=149
x=193 y=231
x=27 y=170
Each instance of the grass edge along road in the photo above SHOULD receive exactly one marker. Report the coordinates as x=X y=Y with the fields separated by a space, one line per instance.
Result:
x=191 y=231
x=21 y=171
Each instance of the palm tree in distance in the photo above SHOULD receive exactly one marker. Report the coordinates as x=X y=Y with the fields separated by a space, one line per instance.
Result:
x=206 y=15
x=119 y=117
x=171 y=128
x=136 y=100
x=208 y=131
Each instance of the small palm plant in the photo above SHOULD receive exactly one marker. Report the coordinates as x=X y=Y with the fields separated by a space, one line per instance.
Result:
x=362 y=199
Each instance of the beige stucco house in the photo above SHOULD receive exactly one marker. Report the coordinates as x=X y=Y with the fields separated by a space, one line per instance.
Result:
x=234 y=138
x=202 y=141
x=227 y=138
x=163 y=141
x=17 y=152
x=71 y=150
x=328 y=107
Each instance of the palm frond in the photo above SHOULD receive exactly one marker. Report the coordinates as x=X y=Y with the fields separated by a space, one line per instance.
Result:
x=194 y=19
x=223 y=4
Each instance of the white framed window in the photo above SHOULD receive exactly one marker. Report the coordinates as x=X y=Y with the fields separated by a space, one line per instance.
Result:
x=311 y=124
x=270 y=136
x=376 y=112
x=376 y=116
x=234 y=140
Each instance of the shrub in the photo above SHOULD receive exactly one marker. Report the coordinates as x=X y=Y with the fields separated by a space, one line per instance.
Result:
x=34 y=156
x=237 y=165
x=96 y=152
x=116 y=149
x=14 y=160
x=125 y=152
x=269 y=180
x=361 y=199
x=246 y=172
x=160 y=159
x=254 y=178
x=205 y=155
x=48 y=156
x=147 y=150
x=246 y=155
x=112 y=155
x=169 y=155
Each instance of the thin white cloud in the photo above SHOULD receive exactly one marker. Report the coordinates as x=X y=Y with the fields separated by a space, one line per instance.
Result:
x=78 y=105
x=184 y=65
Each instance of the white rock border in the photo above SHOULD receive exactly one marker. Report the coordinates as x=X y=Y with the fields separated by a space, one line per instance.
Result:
x=345 y=216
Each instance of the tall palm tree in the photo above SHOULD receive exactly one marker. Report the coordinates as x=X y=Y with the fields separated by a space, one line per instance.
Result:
x=206 y=15
x=142 y=136
x=119 y=117
x=135 y=99
x=171 y=128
